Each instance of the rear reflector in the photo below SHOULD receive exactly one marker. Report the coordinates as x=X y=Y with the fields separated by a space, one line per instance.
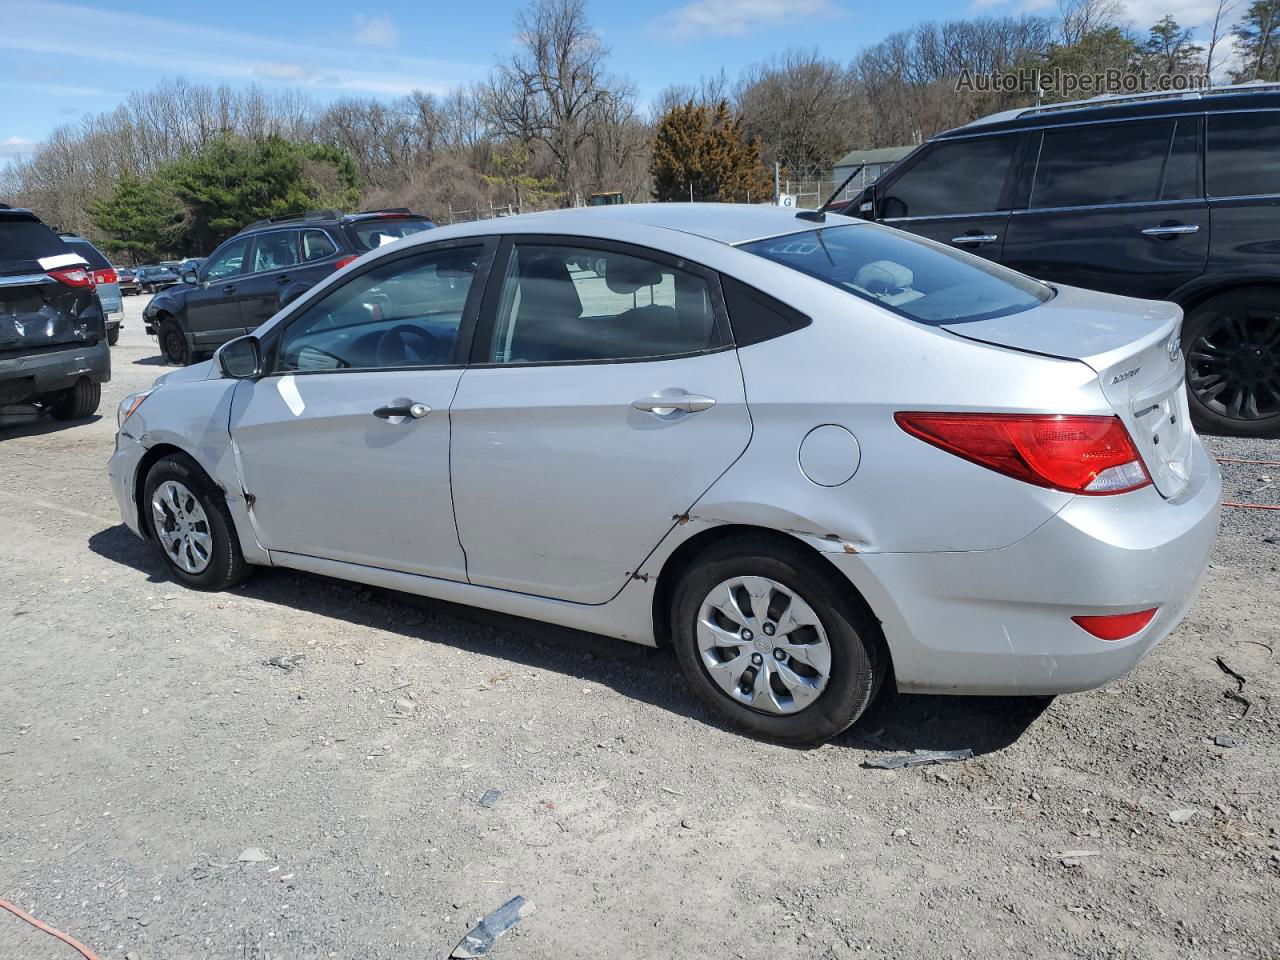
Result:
x=1115 y=626
x=1078 y=454
x=343 y=261
x=104 y=276
x=72 y=276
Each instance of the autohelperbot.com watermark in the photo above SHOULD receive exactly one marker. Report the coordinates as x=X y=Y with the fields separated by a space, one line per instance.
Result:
x=1056 y=82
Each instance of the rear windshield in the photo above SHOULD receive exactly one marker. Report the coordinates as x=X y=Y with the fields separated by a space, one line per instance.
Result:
x=370 y=234
x=23 y=240
x=90 y=253
x=921 y=281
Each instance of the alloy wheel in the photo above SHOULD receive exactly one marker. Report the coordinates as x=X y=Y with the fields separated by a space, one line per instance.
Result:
x=1233 y=366
x=763 y=645
x=181 y=526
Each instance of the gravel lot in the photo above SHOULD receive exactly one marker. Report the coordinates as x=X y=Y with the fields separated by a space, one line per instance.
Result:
x=146 y=744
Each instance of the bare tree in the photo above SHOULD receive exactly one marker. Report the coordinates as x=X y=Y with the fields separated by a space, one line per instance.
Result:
x=1220 y=16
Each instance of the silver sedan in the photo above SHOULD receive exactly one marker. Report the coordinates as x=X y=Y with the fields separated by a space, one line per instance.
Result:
x=812 y=456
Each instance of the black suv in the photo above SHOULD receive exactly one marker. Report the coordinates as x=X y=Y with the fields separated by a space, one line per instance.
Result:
x=1164 y=196
x=262 y=268
x=53 y=334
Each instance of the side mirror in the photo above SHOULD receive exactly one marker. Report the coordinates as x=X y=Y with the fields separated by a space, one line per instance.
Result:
x=241 y=359
x=189 y=276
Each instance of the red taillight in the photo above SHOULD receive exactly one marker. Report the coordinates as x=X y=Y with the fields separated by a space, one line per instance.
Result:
x=72 y=276
x=343 y=261
x=1115 y=626
x=1078 y=454
x=104 y=276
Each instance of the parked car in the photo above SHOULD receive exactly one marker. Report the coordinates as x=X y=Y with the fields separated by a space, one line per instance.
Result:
x=127 y=279
x=53 y=334
x=1166 y=196
x=155 y=279
x=263 y=268
x=105 y=281
x=810 y=456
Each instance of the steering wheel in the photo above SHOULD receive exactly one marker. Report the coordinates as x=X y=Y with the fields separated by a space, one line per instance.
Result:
x=393 y=350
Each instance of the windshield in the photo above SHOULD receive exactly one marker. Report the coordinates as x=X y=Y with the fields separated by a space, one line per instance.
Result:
x=89 y=252
x=23 y=241
x=919 y=280
x=370 y=234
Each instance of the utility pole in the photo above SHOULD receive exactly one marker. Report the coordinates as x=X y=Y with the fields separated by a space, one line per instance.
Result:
x=691 y=191
x=777 y=182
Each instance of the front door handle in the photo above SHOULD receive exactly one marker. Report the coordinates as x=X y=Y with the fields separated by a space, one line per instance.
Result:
x=975 y=239
x=399 y=408
x=229 y=288
x=664 y=406
x=1171 y=230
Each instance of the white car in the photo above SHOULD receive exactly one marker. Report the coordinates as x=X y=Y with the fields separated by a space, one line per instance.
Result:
x=811 y=455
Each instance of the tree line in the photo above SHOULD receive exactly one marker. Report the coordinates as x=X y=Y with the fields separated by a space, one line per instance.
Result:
x=176 y=169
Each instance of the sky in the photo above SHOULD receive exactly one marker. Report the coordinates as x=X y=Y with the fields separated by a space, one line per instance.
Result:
x=62 y=61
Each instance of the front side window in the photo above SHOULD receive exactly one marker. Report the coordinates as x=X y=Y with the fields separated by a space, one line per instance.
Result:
x=962 y=176
x=914 y=278
x=227 y=260
x=402 y=313
x=1101 y=164
x=563 y=304
x=1244 y=154
x=272 y=251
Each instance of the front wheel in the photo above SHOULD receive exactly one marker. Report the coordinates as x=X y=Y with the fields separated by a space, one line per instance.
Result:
x=189 y=520
x=173 y=344
x=773 y=642
x=1232 y=346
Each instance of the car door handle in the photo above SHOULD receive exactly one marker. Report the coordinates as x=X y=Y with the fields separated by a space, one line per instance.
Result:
x=229 y=288
x=1171 y=230
x=415 y=411
x=686 y=402
x=976 y=238
x=283 y=278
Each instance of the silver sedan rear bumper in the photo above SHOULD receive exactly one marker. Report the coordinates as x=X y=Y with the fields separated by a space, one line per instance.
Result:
x=998 y=622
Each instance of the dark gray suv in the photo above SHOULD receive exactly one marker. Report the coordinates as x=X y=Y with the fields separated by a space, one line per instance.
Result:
x=1164 y=196
x=259 y=270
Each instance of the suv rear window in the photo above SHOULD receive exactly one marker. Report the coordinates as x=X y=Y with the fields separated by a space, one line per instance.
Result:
x=905 y=274
x=23 y=239
x=90 y=253
x=370 y=234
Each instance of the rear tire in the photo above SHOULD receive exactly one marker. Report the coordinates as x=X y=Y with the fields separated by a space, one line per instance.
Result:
x=1233 y=363
x=173 y=344
x=846 y=673
x=113 y=336
x=77 y=402
x=221 y=565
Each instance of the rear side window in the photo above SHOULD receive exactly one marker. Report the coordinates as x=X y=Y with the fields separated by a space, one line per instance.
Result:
x=755 y=316
x=963 y=176
x=1101 y=164
x=1182 y=172
x=272 y=251
x=89 y=252
x=1244 y=154
x=371 y=234
x=899 y=271
x=316 y=245
x=22 y=239
x=563 y=304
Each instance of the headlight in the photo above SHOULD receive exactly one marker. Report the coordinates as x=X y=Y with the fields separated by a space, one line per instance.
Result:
x=129 y=404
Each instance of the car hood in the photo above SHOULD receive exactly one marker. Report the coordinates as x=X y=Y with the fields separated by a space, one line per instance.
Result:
x=197 y=371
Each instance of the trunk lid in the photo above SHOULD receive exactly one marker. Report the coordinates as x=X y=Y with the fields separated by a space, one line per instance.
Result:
x=1133 y=346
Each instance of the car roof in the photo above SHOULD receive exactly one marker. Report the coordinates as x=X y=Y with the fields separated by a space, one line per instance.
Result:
x=730 y=223
x=1242 y=96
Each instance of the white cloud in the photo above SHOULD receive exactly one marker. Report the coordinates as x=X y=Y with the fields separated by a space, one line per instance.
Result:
x=16 y=147
x=216 y=53
x=738 y=17
x=376 y=31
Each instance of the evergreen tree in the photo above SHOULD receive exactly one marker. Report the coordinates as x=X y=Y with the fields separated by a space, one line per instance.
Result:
x=1257 y=41
x=703 y=151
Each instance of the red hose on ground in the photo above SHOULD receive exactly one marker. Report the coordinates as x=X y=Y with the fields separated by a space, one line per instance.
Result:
x=68 y=940
x=1252 y=506
x=1260 y=463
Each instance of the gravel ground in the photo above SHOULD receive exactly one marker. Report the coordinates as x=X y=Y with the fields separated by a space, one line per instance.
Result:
x=146 y=743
